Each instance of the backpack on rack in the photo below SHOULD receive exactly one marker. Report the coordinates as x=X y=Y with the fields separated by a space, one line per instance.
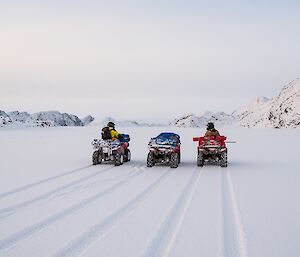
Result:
x=124 y=138
x=106 y=133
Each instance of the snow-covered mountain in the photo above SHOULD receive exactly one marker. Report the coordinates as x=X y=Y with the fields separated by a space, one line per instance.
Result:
x=282 y=111
x=191 y=120
x=54 y=118
x=87 y=120
x=285 y=110
x=19 y=116
x=254 y=114
x=4 y=118
x=42 y=119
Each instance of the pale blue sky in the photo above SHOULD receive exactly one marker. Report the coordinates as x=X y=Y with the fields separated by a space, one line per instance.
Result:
x=145 y=59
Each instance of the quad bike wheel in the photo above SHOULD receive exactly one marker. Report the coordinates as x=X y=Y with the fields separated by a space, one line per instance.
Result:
x=127 y=155
x=223 y=160
x=119 y=159
x=200 y=159
x=174 y=160
x=97 y=157
x=179 y=157
x=150 y=159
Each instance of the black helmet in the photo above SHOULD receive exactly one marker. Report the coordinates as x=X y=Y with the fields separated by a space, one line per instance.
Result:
x=111 y=124
x=210 y=126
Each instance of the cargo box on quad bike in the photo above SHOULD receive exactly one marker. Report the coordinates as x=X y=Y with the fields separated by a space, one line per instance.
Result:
x=165 y=149
x=211 y=150
x=111 y=151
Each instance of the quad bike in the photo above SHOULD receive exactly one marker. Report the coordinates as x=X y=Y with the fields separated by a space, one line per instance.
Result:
x=111 y=151
x=212 y=150
x=164 y=149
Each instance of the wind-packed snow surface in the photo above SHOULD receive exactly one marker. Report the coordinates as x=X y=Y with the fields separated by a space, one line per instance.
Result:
x=54 y=203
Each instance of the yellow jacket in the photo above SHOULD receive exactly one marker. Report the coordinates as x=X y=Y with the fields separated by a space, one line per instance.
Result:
x=114 y=134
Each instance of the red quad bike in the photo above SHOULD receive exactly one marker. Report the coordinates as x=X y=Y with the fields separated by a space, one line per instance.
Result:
x=212 y=150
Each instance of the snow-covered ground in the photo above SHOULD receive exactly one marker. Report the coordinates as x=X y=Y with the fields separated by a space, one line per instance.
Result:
x=54 y=203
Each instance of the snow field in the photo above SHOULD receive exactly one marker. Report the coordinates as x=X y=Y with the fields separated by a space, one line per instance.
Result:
x=54 y=203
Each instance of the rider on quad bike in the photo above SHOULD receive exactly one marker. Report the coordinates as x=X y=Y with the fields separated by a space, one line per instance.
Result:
x=212 y=147
x=109 y=132
x=113 y=148
x=211 y=131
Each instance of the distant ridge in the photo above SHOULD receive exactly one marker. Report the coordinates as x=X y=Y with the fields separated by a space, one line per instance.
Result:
x=42 y=119
x=192 y=120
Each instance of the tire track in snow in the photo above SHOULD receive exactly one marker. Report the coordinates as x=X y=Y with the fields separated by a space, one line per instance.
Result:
x=96 y=183
x=234 y=236
x=42 y=198
x=13 y=239
x=164 y=239
x=226 y=222
x=103 y=228
x=40 y=182
x=99 y=181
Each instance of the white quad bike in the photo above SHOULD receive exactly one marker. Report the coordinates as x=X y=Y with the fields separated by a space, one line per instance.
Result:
x=110 y=151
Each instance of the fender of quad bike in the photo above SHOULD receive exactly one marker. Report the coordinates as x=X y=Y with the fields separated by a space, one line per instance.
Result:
x=120 y=150
x=125 y=145
x=177 y=149
x=201 y=140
